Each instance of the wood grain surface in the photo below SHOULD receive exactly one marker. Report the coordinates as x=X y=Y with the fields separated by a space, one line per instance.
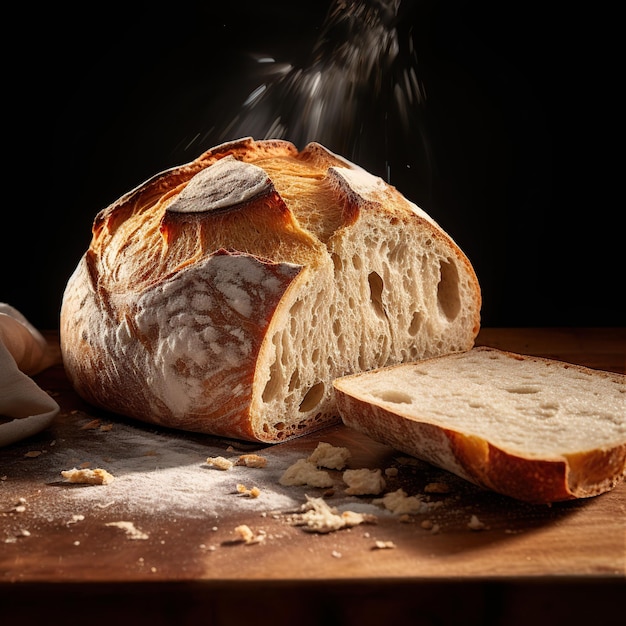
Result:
x=52 y=532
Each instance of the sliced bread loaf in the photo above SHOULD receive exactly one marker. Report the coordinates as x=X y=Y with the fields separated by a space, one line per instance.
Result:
x=535 y=429
x=224 y=296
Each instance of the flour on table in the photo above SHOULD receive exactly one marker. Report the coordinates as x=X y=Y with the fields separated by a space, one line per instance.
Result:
x=164 y=474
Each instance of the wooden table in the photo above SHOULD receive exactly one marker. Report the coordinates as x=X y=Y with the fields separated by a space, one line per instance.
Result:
x=160 y=544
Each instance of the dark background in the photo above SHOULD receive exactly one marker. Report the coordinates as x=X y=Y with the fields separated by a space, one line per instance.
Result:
x=509 y=156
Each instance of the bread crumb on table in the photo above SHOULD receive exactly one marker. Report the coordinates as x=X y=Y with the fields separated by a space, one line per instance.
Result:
x=329 y=456
x=430 y=525
x=476 y=524
x=246 y=536
x=399 y=503
x=251 y=460
x=304 y=472
x=254 y=492
x=219 y=462
x=318 y=517
x=88 y=476
x=364 y=481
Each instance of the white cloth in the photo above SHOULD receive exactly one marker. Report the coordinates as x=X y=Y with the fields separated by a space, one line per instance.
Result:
x=24 y=352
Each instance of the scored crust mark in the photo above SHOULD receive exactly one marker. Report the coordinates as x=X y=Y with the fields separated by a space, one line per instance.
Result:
x=224 y=185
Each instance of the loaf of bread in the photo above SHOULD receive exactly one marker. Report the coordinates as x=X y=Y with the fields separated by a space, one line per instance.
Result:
x=225 y=295
x=535 y=429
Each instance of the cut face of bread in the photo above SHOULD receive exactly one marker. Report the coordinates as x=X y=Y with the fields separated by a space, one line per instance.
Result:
x=535 y=429
x=224 y=296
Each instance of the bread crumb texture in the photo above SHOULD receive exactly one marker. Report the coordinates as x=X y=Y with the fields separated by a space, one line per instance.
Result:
x=529 y=405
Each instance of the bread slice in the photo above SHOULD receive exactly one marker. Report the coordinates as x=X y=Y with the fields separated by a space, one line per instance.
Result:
x=535 y=429
x=225 y=295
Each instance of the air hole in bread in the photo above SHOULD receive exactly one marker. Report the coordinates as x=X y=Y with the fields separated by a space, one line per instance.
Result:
x=376 y=294
x=273 y=387
x=523 y=390
x=416 y=323
x=336 y=326
x=356 y=262
x=337 y=262
x=312 y=397
x=549 y=409
x=285 y=355
x=294 y=381
x=448 y=295
x=341 y=343
x=391 y=395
